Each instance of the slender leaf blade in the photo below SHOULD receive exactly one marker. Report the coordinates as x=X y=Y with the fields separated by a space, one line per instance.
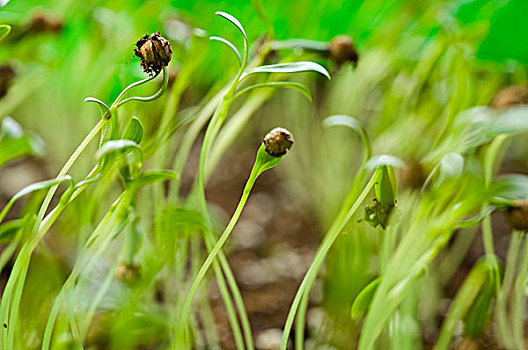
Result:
x=229 y=44
x=286 y=68
x=5 y=29
x=233 y=20
x=134 y=131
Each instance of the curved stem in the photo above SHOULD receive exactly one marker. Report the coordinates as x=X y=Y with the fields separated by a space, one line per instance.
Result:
x=354 y=192
x=16 y=280
x=160 y=92
x=218 y=246
x=519 y=297
x=129 y=87
x=328 y=241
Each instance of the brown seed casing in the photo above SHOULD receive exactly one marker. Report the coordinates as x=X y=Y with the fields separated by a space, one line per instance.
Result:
x=277 y=142
x=342 y=50
x=518 y=216
x=510 y=96
x=154 y=51
x=7 y=74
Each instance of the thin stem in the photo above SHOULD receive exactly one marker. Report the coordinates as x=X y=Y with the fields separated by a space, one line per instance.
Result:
x=218 y=246
x=78 y=267
x=328 y=241
x=519 y=298
x=129 y=87
x=16 y=280
x=352 y=196
x=160 y=92
x=224 y=291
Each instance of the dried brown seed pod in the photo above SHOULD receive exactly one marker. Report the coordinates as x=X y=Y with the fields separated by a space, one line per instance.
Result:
x=7 y=74
x=510 y=96
x=411 y=175
x=154 y=51
x=277 y=142
x=44 y=23
x=517 y=216
x=342 y=50
x=127 y=272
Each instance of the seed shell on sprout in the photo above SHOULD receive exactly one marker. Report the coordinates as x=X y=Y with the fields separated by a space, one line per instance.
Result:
x=510 y=96
x=342 y=50
x=517 y=216
x=277 y=142
x=154 y=51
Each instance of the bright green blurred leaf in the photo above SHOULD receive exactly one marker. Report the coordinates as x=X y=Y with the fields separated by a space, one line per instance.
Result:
x=16 y=143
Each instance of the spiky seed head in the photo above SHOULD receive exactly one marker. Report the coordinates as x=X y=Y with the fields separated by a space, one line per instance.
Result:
x=342 y=50
x=154 y=51
x=510 y=96
x=277 y=142
x=517 y=215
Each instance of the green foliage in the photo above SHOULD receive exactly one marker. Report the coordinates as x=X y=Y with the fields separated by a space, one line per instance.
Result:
x=16 y=143
x=118 y=258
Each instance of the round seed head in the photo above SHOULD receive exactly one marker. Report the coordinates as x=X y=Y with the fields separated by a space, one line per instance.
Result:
x=510 y=96
x=277 y=142
x=342 y=50
x=154 y=51
x=517 y=216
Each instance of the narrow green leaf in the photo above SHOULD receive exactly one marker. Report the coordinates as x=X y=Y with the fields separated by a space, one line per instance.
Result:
x=102 y=106
x=344 y=120
x=382 y=160
x=479 y=314
x=356 y=126
x=134 y=131
x=16 y=143
x=278 y=84
x=364 y=298
x=150 y=177
x=233 y=20
x=510 y=187
x=41 y=185
x=9 y=229
x=118 y=146
x=229 y=44
x=5 y=29
x=295 y=67
x=464 y=299
x=32 y=188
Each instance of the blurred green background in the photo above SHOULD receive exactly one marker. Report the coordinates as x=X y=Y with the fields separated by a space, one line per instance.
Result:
x=421 y=63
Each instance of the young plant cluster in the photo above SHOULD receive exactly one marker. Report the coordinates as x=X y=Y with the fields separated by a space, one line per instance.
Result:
x=158 y=276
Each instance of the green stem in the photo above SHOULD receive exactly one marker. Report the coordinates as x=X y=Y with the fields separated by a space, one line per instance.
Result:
x=519 y=297
x=352 y=196
x=224 y=291
x=328 y=241
x=218 y=246
x=79 y=266
x=16 y=280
